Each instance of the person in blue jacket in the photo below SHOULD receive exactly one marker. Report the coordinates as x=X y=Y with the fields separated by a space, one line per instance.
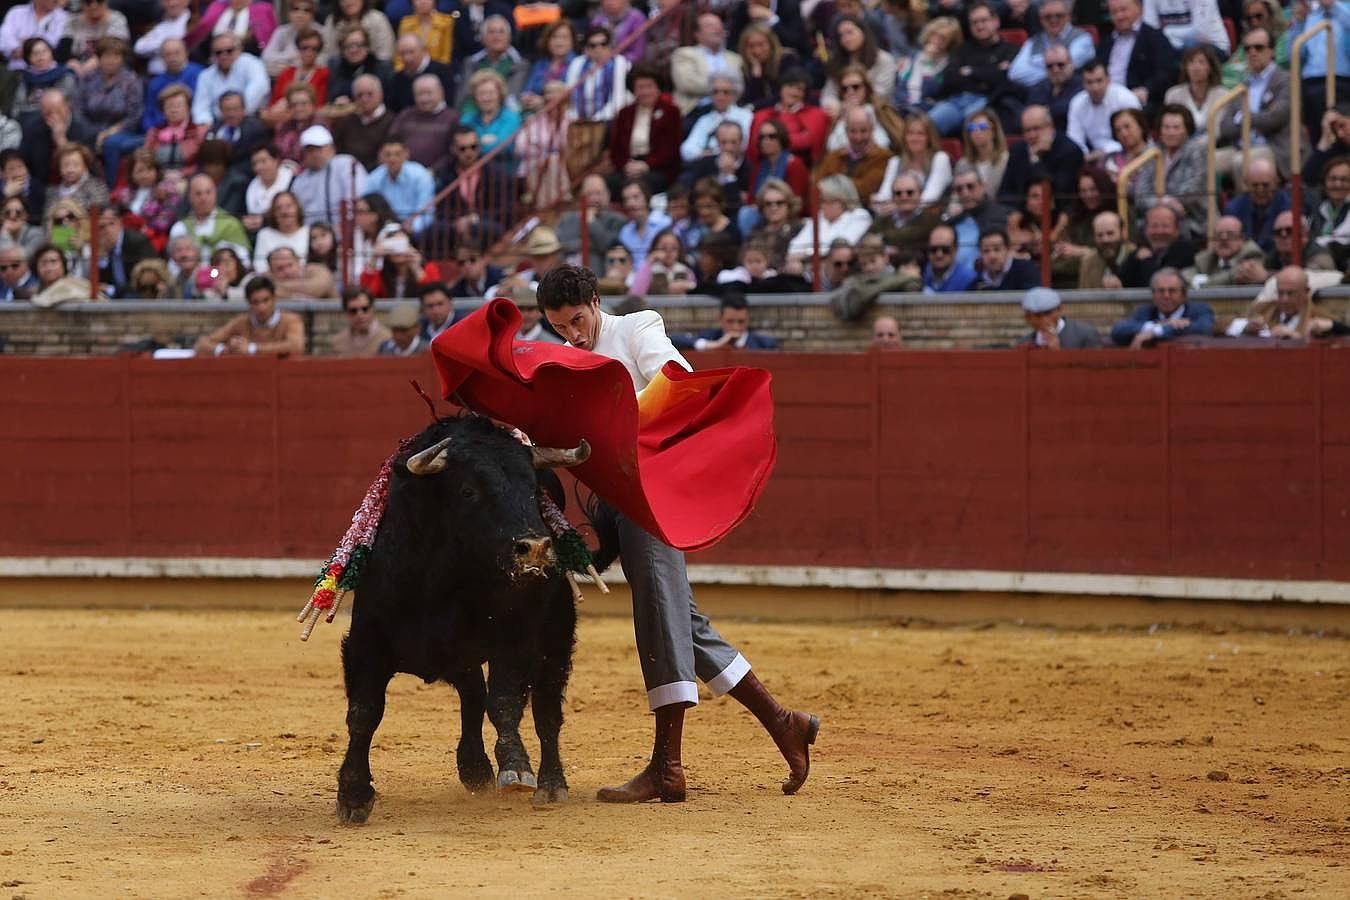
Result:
x=1170 y=314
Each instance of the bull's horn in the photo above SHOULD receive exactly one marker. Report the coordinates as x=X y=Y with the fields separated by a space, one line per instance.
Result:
x=556 y=458
x=431 y=460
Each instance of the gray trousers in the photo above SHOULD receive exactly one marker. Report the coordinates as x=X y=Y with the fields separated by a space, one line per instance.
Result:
x=675 y=641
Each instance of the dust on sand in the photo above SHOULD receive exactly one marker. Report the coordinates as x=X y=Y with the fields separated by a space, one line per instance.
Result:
x=173 y=754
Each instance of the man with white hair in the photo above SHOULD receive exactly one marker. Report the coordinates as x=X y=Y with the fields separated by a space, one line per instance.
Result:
x=1230 y=258
x=909 y=224
x=499 y=56
x=702 y=139
x=425 y=126
x=692 y=69
x=412 y=52
x=327 y=179
x=363 y=132
x=1028 y=66
x=1291 y=315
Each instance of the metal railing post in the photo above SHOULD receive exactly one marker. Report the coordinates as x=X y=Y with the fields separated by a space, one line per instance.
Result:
x=815 y=238
x=1152 y=154
x=347 y=234
x=94 y=213
x=1047 y=201
x=1211 y=151
x=1296 y=119
x=584 y=223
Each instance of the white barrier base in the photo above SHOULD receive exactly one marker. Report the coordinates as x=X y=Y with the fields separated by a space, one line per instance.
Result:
x=1243 y=589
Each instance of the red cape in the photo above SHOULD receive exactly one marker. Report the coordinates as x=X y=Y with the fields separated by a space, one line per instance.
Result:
x=687 y=463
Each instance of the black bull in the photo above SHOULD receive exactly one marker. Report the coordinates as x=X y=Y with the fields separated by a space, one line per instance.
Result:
x=462 y=573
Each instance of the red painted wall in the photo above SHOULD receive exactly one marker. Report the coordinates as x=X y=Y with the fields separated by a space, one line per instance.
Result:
x=1181 y=461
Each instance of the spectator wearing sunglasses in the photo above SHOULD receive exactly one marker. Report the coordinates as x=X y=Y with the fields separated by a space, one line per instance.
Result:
x=363 y=333
x=17 y=281
x=942 y=274
x=251 y=24
x=231 y=70
x=1267 y=105
x=1059 y=85
x=1028 y=67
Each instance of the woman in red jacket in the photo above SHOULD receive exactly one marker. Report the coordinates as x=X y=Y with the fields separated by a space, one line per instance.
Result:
x=645 y=139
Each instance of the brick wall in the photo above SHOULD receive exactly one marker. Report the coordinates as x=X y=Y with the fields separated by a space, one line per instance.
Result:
x=799 y=322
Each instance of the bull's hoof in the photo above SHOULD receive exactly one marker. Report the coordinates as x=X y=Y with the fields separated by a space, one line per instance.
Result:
x=546 y=796
x=476 y=775
x=509 y=781
x=352 y=813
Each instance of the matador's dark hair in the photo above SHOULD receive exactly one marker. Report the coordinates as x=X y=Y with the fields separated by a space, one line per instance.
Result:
x=567 y=285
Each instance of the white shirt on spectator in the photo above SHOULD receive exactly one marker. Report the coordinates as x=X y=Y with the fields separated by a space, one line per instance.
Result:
x=258 y=197
x=248 y=76
x=851 y=226
x=321 y=191
x=270 y=239
x=935 y=181
x=1188 y=22
x=1090 y=123
x=703 y=136
x=21 y=23
x=148 y=45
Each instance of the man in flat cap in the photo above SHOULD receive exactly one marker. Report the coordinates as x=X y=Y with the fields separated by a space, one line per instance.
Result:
x=1044 y=312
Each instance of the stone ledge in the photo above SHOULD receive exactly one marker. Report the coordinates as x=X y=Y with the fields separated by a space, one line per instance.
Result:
x=798 y=321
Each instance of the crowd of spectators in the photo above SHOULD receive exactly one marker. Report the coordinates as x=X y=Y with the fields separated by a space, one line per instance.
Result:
x=171 y=150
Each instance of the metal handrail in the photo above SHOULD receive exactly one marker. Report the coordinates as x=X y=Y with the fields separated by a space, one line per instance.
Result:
x=1212 y=137
x=1296 y=117
x=1127 y=172
x=551 y=105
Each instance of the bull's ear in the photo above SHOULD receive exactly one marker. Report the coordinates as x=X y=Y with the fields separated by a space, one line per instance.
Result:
x=431 y=460
x=555 y=457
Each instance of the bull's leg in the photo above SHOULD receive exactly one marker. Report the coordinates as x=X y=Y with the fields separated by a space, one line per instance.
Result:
x=475 y=769
x=366 y=672
x=550 y=684
x=507 y=687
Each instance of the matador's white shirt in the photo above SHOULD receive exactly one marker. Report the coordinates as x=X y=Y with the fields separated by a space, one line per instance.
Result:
x=639 y=341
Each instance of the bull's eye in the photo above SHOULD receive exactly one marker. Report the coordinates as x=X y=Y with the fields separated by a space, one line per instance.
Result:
x=468 y=493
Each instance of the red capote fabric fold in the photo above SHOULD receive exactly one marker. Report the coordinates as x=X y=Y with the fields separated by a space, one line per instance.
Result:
x=687 y=463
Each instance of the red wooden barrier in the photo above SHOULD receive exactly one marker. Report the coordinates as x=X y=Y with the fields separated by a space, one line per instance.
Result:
x=1213 y=462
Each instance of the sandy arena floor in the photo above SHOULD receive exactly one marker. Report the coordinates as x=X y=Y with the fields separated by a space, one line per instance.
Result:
x=173 y=754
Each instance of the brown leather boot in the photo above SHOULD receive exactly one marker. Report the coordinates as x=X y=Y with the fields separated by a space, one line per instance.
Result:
x=663 y=779
x=794 y=732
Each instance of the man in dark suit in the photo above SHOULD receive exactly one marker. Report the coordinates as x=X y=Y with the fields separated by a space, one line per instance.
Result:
x=1270 y=127
x=242 y=132
x=1061 y=85
x=1044 y=154
x=119 y=250
x=1044 y=312
x=1170 y=314
x=1138 y=55
x=1162 y=247
x=783 y=16
x=412 y=50
x=998 y=270
x=734 y=331
x=728 y=166
x=485 y=199
x=45 y=130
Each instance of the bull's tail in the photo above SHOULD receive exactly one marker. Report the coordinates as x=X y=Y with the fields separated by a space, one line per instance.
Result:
x=602 y=518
